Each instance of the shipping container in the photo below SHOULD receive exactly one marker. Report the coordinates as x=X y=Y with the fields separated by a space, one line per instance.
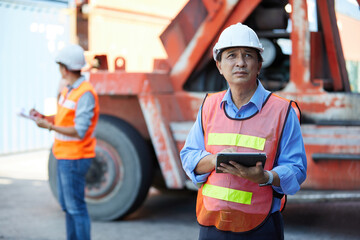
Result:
x=30 y=34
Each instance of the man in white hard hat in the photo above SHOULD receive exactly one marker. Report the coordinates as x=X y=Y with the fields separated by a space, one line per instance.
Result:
x=74 y=145
x=243 y=202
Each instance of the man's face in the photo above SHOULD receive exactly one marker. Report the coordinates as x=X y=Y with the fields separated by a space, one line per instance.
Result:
x=62 y=70
x=239 y=65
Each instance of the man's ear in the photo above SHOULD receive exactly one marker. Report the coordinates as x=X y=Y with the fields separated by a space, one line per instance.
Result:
x=218 y=65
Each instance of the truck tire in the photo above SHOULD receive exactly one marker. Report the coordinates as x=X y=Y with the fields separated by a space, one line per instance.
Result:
x=121 y=174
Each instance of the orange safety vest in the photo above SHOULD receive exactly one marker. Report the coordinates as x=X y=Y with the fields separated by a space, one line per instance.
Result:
x=228 y=202
x=66 y=147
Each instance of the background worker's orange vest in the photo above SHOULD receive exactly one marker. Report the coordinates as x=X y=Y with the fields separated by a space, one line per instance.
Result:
x=228 y=202
x=66 y=147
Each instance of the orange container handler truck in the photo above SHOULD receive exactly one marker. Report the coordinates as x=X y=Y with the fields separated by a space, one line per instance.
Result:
x=145 y=117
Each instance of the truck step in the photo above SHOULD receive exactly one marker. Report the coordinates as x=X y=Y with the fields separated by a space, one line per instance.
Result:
x=304 y=196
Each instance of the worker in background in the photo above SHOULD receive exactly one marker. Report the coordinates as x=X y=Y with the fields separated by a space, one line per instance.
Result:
x=243 y=202
x=74 y=146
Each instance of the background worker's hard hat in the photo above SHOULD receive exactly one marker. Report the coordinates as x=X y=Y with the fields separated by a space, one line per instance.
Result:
x=72 y=56
x=237 y=35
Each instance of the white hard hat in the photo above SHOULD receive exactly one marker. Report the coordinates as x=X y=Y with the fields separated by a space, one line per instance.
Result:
x=72 y=56
x=237 y=35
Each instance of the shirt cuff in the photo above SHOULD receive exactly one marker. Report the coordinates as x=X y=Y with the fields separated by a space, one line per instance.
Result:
x=201 y=178
x=81 y=130
x=288 y=181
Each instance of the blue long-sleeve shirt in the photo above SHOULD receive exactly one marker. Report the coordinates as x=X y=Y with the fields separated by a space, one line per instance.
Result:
x=84 y=110
x=291 y=164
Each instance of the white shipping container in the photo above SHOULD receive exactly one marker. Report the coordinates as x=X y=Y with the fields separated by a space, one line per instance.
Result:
x=30 y=34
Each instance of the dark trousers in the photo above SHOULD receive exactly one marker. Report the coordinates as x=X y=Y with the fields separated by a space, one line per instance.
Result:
x=272 y=229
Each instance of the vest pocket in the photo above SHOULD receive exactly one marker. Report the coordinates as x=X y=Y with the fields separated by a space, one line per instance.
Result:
x=225 y=216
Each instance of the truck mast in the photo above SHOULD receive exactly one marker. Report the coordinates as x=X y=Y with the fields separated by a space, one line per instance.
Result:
x=145 y=117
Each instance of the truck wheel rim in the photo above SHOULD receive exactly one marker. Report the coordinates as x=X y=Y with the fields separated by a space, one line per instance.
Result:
x=105 y=173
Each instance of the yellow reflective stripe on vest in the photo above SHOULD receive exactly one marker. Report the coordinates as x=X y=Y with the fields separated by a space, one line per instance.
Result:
x=227 y=194
x=233 y=139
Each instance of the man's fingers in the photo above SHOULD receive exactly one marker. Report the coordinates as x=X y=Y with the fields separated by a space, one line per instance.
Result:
x=259 y=164
x=226 y=167
x=237 y=165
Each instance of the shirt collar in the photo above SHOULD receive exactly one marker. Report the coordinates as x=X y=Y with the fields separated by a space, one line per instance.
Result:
x=257 y=99
x=77 y=83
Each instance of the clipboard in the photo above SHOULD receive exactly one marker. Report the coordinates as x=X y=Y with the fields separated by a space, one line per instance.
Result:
x=245 y=159
x=24 y=114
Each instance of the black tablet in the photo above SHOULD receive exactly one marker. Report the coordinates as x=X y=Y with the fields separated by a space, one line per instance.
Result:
x=246 y=159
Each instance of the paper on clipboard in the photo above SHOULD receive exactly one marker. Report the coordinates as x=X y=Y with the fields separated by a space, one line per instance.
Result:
x=23 y=113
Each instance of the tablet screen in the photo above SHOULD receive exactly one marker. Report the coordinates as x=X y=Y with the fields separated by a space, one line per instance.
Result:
x=246 y=159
